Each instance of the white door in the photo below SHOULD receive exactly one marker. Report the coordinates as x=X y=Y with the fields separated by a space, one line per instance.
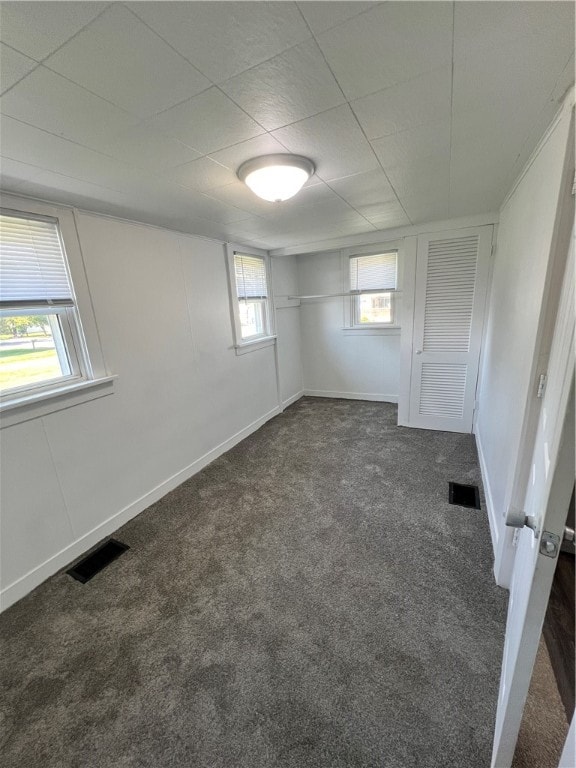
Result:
x=547 y=500
x=449 y=303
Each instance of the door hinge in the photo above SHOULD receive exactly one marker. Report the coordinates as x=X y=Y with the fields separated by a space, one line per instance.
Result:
x=541 y=385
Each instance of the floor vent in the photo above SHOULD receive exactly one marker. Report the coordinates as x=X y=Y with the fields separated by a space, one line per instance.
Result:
x=98 y=559
x=464 y=495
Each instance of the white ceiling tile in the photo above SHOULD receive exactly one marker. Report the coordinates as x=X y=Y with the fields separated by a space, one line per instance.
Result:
x=325 y=15
x=37 y=29
x=207 y=122
x=426 y=99
x=30 y=145
x=427 y=178
x=497 y=99
x=390 y=44
x=119 y=58
x=331 y=212
x=513 y=80
x=364 y=188
x=480 y=25
x=511 y=68
x=13 y=173
x=333 y=141
x=13 y=67
x=203 y=174
x=148 y=149
x=233 y=157
x=294 y=85
x=413 y=145
x=539 y=124
x=417 y=163
x=225 y=38
x=486 y=156
x=385 y=215
x=431 y=207
x=239 y=195
x=77 y=188
x=207 y=207
x=254 y=227
x=48 y=101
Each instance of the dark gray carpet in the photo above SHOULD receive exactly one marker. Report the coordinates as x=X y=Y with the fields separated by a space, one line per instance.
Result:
x=309 y=600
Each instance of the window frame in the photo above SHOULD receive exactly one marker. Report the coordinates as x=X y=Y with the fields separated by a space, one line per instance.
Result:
x=351 y=302
x=88 y=378
x=249 y=344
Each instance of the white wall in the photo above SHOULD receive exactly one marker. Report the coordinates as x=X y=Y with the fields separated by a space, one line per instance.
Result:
x=182 y=397
x=520 y=281
x=360 y=364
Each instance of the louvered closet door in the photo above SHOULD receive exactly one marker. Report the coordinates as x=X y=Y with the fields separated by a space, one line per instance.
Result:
x=451 y=282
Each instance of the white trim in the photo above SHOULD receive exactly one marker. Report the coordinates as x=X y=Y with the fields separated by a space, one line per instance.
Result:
x=351 y=395
x=293 y=399
x=34 y=406
x=252 y=346
x=487 y=303
x=385 y=235
x=62 y=559
x=373 y=330
x=409 y=249
x=492 y=519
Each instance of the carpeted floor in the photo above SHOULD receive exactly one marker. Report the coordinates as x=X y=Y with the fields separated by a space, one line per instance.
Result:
x=310 y=599
x=544 y=727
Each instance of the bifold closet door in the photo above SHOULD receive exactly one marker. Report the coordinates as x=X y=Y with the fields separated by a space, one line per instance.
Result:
x=449 y=304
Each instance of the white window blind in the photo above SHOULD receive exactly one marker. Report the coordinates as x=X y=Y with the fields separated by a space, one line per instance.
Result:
x=373 y=273
x=250 y=273
x=32 y=266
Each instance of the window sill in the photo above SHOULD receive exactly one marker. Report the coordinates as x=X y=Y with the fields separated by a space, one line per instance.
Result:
x=375 y=330
x=33 y=406
x=252 y=346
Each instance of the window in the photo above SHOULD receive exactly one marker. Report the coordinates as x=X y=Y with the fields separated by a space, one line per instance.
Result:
x=251 y=297
x=373 y=278
x=41 y=344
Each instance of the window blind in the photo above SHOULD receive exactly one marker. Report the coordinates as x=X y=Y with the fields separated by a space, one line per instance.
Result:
x=250 y=273
x=32 y=266
x=372 y=273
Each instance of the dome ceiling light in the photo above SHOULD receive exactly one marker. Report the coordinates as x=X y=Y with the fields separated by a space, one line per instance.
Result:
x=276 y=177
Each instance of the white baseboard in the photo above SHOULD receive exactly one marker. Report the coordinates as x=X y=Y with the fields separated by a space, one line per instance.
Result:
x=18 y=589
x=492 y=520
x=352 y=395
x=293 y=399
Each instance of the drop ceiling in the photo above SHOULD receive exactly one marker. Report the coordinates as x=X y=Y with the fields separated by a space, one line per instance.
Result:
x=411 y=111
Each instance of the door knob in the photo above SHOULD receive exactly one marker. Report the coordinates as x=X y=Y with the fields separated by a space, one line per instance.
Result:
x=418 y=351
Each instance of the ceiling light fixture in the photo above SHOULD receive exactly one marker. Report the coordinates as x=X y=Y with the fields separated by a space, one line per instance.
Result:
x=276 y=177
